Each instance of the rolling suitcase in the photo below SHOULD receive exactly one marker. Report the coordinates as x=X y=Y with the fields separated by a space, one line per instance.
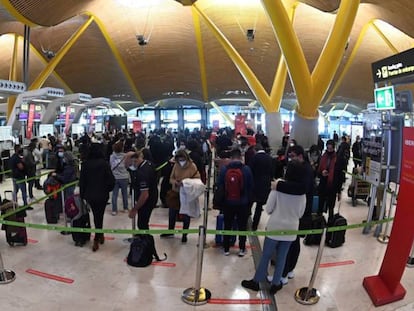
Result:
x=80 y=238
x=14 y=235
x=80 y=220
x=336 y=238
x=52 y=208
x=220 y=226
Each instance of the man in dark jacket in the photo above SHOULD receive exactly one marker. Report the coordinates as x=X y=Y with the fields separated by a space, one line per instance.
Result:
x=18 y=174
x=236 y=208
x=260 y=165
x=95 y=182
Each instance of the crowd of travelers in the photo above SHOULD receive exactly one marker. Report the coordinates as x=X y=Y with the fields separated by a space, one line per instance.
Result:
x=250 y=176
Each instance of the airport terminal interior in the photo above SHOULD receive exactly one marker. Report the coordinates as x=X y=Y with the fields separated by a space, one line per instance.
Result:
x=315 y=70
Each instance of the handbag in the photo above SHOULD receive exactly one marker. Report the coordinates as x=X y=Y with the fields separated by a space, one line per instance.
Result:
x=172 y=199
x=219 y=197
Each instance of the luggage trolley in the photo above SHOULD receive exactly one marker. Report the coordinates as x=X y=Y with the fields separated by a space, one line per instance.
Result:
x=359 y=188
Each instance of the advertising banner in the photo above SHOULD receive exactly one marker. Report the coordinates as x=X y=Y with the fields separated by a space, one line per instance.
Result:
x=67 y=120
x=240 y=124
x=137 y=126
x=386 y=287
x=30 y=120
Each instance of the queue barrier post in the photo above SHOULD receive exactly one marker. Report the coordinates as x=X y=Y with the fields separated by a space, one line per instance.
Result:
x=6 y=276
x=198 y=295
x=384 y=237
x=65 y=220
x=308 y=295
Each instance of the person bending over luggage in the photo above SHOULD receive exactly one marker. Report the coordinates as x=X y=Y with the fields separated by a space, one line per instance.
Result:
x=183 y=168
x=144 y=184
x=284 y=212
x=95 y=182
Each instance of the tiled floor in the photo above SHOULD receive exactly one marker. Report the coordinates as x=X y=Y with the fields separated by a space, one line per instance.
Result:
x=103 y=281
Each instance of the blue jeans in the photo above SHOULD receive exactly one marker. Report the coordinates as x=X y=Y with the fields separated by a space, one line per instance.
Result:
x=16 y=188
x=123 y=185
x=269 y=247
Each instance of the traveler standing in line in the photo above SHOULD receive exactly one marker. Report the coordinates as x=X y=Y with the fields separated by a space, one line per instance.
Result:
x=144 y=183
x=306 y=185
x=237 y=180
x=117 y=162
x=68 y=174
x=285 y=211
x=19 y=173
x=357 y=152
x=37 y=154
x=330 y=179
x=183 y=168
x=30 y=166
x=260 y=165
x=95 y=183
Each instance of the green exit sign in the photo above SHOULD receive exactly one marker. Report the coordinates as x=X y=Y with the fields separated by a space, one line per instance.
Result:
x=384 y=98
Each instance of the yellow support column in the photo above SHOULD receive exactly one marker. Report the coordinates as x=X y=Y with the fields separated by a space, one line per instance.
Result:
x=201 y=59
x=13 y=75
x=220 y=111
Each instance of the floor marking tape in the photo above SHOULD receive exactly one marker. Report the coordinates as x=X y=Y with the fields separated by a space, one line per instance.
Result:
x=335 y=264
x=164 y=226
x=32 y=241
x=164 y=264
x=109 y=238
x=50 y=276
x=221 y=301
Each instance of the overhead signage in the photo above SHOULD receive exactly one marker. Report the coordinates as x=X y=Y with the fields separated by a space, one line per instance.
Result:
x=45 y=129
x=30 y=120
x=384 y=98
x=393 y=67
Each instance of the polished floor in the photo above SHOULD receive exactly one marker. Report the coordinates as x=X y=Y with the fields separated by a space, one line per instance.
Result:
x=103 y=281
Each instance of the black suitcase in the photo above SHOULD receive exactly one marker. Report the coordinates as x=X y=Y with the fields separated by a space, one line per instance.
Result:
x=336 y=238
x=80 y=238
x=14 y=235
x=318 y=222
x=52 y=208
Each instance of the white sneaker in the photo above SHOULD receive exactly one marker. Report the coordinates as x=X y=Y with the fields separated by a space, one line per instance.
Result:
x=291 y=275
x=242 y=252
x=270 y=278
x=284 y=281
x=226 y=253
x=114 y=213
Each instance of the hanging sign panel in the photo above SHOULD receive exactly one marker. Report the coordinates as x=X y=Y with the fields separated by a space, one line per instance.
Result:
x=393 y=67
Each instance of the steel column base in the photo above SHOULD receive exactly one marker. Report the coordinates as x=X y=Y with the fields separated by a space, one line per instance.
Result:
x=7 y=276
x=307 y=297
x=196 y=298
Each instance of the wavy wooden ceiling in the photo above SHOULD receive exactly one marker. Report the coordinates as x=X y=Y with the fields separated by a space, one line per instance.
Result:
x=169 y=64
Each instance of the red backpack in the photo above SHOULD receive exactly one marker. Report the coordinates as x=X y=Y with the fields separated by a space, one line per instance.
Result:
x=233 y=184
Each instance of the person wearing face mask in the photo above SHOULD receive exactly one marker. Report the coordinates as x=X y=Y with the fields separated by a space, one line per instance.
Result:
x=330 y=179
x=18 y=173
x=144 y=184
x=183 y=168
x=59 y=155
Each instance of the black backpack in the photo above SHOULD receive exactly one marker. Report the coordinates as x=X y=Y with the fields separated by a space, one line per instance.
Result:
x=142 y=251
